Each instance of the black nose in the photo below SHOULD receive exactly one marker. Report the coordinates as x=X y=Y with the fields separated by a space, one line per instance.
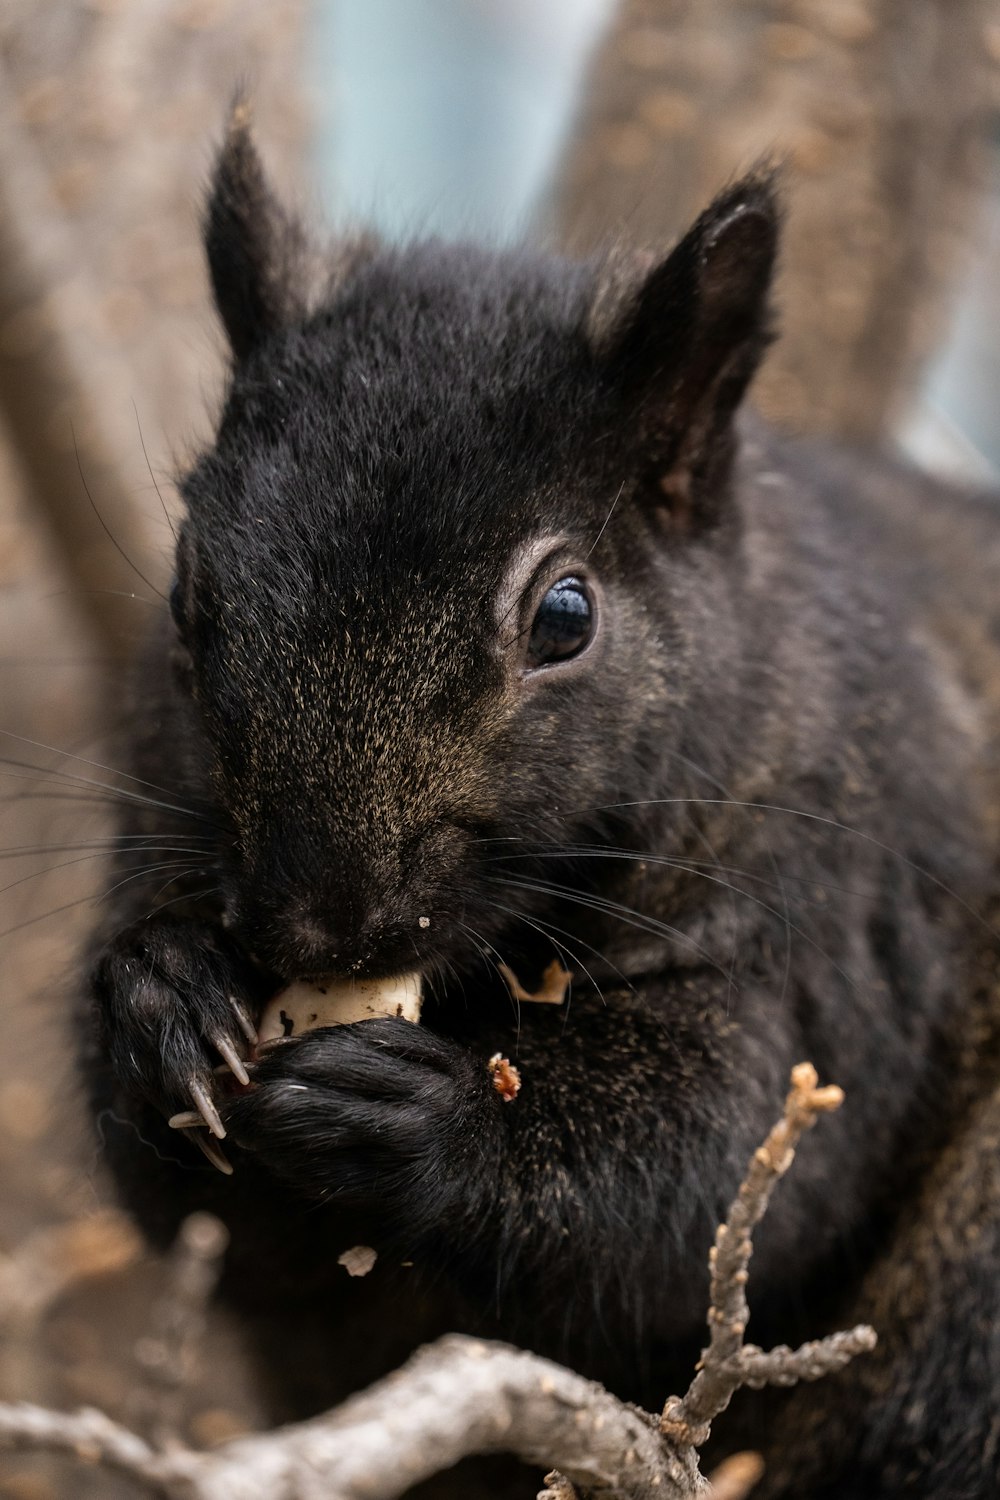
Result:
x=295 y=944
x=313 y=943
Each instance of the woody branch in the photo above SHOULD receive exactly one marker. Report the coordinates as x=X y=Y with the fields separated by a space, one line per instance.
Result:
x=461 y=1396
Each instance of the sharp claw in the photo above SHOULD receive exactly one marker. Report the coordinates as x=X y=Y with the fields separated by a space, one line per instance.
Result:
x=228 y=1051
x=215 y=1153
x=247 y=1027
x=203 y=1104
x=188 y=1119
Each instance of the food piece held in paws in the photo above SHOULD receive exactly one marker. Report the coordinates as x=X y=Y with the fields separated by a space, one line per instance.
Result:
x=506 y=1078
x=359 y=1260
x=303 y=1006
x=555 y=982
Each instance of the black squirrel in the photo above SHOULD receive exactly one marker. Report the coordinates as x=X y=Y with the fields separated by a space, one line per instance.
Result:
x=501 y=634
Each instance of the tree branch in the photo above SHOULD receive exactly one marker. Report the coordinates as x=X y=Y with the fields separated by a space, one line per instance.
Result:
x=456 y=1397
x=462 y=1396
x=87 y=1435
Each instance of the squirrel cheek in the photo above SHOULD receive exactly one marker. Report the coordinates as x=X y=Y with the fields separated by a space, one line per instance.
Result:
x=306 y=1005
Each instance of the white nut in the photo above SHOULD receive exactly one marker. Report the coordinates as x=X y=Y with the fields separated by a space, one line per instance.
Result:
x=337 y=1002
x=359 y=1260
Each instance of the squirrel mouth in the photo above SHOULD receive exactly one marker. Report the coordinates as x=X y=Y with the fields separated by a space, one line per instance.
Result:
x=334 y=1001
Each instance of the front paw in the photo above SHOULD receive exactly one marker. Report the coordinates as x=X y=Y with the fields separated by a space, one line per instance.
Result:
x=383 y=1118
x=172 y=1005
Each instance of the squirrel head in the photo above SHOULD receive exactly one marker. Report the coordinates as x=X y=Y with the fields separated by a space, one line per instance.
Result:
x=459 y=561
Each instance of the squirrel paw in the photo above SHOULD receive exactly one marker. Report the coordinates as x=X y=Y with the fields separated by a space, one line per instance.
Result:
x=173 y=1010
x=382 y=1117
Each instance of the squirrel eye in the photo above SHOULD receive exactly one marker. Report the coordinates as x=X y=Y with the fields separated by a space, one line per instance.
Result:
x=563 y=623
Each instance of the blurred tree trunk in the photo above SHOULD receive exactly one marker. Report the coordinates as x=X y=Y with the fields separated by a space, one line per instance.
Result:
x=880 y=110
x=110 y=109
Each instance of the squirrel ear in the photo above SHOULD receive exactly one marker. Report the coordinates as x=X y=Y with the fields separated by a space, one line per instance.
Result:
x=681 y=339
x=254 y=248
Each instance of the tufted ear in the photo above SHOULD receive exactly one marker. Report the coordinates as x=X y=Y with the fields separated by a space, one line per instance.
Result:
x=681 y=338
x=255 y=249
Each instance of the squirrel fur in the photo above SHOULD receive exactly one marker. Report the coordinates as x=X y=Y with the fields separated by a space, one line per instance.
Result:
x=755 y=816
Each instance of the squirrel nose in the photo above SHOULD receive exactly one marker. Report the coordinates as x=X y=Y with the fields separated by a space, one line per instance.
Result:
x=292 y=943
x=302 y=943
x=315 y=942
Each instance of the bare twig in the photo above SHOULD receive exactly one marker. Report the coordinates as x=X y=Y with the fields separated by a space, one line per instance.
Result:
x=87 y=1435
x=728 y=1363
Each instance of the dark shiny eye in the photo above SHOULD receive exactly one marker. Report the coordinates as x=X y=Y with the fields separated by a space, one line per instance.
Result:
x=563 y=623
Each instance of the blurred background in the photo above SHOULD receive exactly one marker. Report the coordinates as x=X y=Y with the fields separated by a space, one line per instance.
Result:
x=572 y=122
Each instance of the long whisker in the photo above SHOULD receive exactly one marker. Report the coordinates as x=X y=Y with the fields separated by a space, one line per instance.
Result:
x=77 y=593
x=681 y=862
x=546 y=929
x=597 y=852
x=727 y=885
x=53 y=776
x=159 y=906
x=478 y=938
x=720 y=787
x=734 y=912
x=96 y=765
x=607 y=519
x=650 y=1010
x=575 y=937
x=112 y=845
x=179 y=866
x=614 y=908
x=797 y=812
x=561 y=952
x=89 y=899
x=484 y=943
x=82 y=860
x=97 y=799
x=149 y=466
x=53 y=911
x=106 y=528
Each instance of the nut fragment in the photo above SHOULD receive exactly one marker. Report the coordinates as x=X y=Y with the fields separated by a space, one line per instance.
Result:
x=555 y=982
x=337 y=1002
x=359 y=1260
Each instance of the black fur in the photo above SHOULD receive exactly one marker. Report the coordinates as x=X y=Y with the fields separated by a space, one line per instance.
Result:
x=757 y=818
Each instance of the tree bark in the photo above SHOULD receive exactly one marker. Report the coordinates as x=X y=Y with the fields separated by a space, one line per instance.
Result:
x=879 y=110
x=107 y=353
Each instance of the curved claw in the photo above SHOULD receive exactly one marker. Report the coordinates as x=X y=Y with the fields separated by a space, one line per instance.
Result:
x=215 y=1154
x=247 y=1027
x=203 y=1104
x=225 y=1049
x=191 y=1120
